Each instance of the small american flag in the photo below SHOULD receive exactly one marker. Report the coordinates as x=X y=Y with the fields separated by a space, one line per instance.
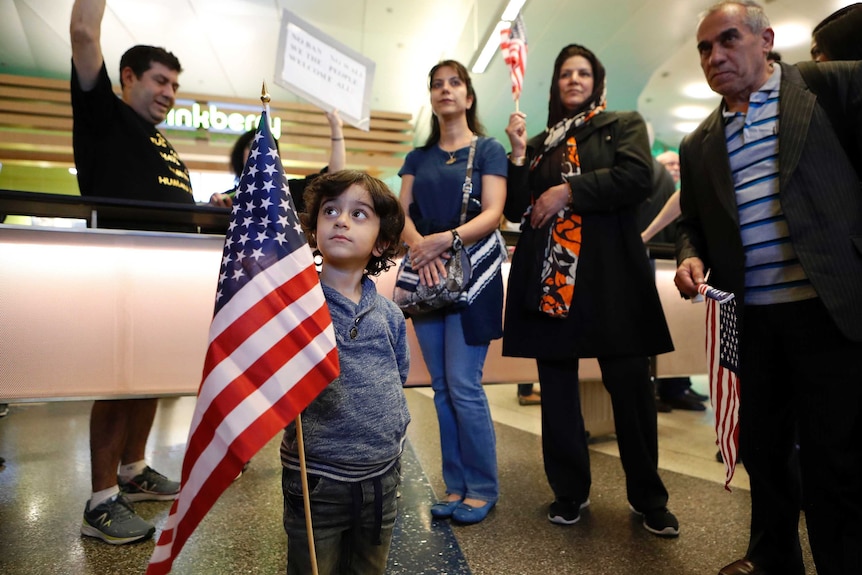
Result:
x=513 y=43
x=722 y=356
x=271 y=345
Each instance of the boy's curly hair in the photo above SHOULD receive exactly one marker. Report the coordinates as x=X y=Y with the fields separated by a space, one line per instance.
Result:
x=386 y=206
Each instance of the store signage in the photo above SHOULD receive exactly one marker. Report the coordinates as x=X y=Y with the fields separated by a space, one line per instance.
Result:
x=194 y=116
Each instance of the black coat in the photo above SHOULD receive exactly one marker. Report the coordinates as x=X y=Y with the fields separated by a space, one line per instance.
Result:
x=616 y=309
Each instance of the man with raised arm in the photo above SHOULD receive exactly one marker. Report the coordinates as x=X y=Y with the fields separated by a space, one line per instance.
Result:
x=119 y=153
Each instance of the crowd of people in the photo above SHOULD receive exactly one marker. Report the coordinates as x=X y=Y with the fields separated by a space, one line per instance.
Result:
x=770 y=209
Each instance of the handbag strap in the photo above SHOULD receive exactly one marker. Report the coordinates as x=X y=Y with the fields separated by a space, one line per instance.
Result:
x=467 y=188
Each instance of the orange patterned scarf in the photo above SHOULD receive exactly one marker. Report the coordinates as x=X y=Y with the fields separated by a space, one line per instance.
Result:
x=564 y=238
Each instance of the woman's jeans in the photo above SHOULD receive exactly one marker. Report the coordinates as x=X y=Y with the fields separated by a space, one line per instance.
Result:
x=467 y=437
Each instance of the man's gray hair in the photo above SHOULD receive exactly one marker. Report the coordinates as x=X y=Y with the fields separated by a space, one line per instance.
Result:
x=755 y=18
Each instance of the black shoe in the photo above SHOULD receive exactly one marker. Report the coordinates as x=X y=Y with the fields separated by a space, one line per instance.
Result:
x=720 y=459
x=685 y=403
x=662 y=407
x=565 y=511
x=696 y=395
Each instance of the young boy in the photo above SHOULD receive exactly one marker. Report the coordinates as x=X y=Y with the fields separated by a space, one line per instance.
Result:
x=354 y=430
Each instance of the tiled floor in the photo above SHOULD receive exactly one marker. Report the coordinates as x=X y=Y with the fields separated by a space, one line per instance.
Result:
x=46 y=481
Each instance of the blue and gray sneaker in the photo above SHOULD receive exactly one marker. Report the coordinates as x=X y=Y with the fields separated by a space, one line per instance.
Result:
x=115 y=522
x=150 y=485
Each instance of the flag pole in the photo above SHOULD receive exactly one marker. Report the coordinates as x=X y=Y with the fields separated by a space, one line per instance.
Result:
x=300 y=442
x=517 y=101
x=306 y=498
x=264 y=97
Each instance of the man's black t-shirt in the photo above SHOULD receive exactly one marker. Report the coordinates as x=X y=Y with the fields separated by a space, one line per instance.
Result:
x=118 y=154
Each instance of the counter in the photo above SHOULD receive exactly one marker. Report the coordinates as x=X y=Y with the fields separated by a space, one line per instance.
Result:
x=93 y=313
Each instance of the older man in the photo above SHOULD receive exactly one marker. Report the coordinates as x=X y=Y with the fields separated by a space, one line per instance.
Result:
x=772 y=209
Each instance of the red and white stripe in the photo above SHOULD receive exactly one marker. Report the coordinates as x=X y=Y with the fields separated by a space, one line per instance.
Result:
x=513 y=43
x=723 y=388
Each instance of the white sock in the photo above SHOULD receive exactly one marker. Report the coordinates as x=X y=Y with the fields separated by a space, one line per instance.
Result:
x=99 y=497
x=132 y=470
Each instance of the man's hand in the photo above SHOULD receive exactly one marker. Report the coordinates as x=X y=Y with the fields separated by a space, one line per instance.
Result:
x=689 y=275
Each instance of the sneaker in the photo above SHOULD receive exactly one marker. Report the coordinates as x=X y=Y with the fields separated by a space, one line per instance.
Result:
x=659 y=522
x=565 y=512
x=243 y=470
x=149 y=486
x=115 y=522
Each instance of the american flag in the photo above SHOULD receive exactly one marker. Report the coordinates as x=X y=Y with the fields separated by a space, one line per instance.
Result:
x=513 y=43
x=722 y=356
x=271 y=345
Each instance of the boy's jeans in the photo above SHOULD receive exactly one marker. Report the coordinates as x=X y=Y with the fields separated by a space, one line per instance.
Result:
x=344 y=517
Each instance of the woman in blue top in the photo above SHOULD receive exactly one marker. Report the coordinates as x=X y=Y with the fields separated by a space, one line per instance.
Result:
x=454 y=341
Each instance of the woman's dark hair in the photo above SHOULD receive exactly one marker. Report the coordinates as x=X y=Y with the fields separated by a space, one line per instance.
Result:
x=841 y=12
x=839 y=35
x=386 y=206
x=472 y=114
x=140 y=59
x=237 y=153
x=556 y=110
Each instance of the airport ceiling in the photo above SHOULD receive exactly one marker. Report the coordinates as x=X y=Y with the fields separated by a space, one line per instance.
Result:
x=227 y=47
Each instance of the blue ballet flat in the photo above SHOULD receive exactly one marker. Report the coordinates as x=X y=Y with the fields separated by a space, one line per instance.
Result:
x=468 y=515
x=444 y=509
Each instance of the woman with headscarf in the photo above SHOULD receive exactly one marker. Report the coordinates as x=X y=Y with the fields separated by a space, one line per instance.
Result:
x=581 y=285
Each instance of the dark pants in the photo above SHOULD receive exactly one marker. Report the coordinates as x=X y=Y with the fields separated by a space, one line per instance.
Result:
x=564 y=442
x=800 y=377
x=353 y=523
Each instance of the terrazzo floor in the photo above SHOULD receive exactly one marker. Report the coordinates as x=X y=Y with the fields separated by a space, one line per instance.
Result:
x=45 y=481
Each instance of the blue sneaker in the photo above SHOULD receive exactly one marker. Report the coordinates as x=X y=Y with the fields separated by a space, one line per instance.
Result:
x=115 y=522
x=150 y=485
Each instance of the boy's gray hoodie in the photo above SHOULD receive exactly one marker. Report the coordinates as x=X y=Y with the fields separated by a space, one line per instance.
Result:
x=355 y=429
